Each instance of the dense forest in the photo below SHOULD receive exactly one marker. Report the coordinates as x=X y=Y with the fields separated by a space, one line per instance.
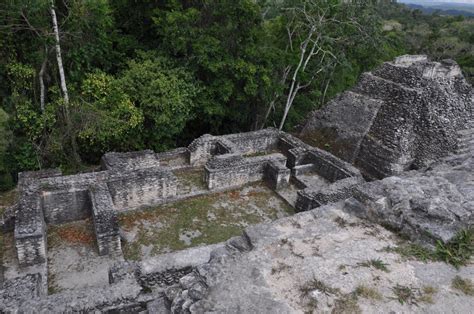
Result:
x=83 y=77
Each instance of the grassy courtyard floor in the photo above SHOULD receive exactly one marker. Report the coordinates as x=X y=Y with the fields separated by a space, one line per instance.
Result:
x=198 y=221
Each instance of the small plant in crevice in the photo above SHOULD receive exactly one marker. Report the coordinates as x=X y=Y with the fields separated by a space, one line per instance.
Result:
x=427 y=294
x=367 y=293
x=346 y=304
x=459 y=250
x=466 y=286
x=411 y=250
x=375 y=263
x=405 y=295
x=316 y=284
x=341 y=222
x=456 y=252
x=279 y=268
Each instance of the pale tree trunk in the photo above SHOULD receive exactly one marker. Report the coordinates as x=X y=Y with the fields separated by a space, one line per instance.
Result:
x=295 y=85
x=276 y=95
x=41 y=79
x=62 y=77
x=69 y=128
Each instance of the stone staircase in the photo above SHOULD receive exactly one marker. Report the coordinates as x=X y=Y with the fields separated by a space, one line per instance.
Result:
x=466 y=139
x=465 y=147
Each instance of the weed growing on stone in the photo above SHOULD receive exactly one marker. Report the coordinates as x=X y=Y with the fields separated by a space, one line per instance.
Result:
x=375 y=263
x=464 y=285
x=456 y=252
x=405 y=295
x=459 y=250
x=427 y=294
x=316 y=284
x=279 y=268
x=412 y=250
x=347 y=304
x=367 y=293
x=341 y=222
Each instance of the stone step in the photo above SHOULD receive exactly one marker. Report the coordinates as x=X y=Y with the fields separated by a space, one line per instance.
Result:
x=463 y=151
x=465 y=132
x=457 y=157
x=466 y=137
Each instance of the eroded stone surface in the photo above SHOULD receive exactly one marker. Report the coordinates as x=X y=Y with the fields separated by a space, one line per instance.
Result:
x=289 y=254
x=426 y=206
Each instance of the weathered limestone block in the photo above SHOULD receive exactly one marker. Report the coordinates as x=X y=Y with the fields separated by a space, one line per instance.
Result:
x=105 y=221
x=265 y=140
x=174 y=158
x=27 y=177
x=66 y=198
x=30 y=230
x=277 y=175
x=129 y=160
x=143 y=187
x=20 y=289
x=145 y=159
x=112 y=299
x=426 y=207
x=159 y=306
x=234 y=170
x=313 y=197
x=342 y=137
x=167 y=269
x=124 y=270
x=203 y=148
x=288 y=143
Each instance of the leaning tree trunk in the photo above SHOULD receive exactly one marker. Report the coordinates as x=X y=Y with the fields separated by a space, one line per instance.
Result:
x=41 y=79
x=62 y=77
x=76 y=159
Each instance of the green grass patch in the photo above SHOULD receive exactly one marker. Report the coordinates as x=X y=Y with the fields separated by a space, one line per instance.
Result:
x=213 y=219
x=464 y=285
x=316 y=284
x=405 y=295
x=413 y=296
x=367 y=293
x=375 y=263
x=457 y=252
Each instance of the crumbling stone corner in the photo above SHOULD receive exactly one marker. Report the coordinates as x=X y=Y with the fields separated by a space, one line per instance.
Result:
x=105 y=221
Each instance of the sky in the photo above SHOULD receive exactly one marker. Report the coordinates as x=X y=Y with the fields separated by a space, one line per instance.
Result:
x=437 y=1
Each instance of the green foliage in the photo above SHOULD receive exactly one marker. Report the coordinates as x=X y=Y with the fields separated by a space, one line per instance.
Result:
x=457 y=252
x=108 y=116
x=466 y=286
x=438 y=36
x=164 y=93
x=156 y=74
x=222 y=43
x=375 y=263
x=6 y=180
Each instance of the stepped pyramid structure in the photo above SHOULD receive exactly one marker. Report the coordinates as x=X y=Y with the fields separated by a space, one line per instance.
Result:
x=404 y=115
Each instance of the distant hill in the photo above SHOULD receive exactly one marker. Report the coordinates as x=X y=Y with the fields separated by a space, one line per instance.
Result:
x=444 y=8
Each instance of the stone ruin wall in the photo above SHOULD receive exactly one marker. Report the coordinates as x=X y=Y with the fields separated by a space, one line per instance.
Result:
x=131 y=181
